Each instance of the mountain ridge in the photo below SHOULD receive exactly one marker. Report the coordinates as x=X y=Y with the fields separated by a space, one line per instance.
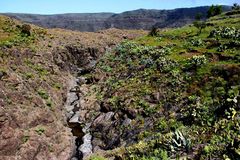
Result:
x=137 y=19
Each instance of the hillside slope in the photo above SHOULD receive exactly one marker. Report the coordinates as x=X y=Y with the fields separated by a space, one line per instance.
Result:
x=120 y=94
x=138 y=19
x=35 y=71
x=175 y=95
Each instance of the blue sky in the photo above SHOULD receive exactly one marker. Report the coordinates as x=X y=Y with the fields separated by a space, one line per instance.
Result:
x=93 y=6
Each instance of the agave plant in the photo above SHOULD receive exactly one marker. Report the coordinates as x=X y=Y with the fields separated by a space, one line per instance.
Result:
x=180 y=142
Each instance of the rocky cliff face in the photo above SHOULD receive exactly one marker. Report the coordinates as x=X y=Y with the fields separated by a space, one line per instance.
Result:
x=138 y=19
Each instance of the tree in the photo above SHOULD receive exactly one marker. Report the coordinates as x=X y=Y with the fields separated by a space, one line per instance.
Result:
x=198 y=16
x=236 y=6
x=200 y=25
x=154 y=31
x=214 y=10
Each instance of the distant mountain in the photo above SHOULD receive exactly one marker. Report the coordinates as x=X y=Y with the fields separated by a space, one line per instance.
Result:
x=138 y=19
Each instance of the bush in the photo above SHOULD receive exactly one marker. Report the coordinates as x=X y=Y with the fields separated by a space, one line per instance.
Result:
x=43 y=93
x=165 y=64
x=196 y=61
x=153 y=32
x=221 y=48
x=196 y=42
x=200 y=25
x=225 y=32
x=26 y=29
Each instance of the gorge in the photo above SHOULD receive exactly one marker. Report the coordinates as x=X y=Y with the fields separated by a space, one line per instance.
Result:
x=119 y=93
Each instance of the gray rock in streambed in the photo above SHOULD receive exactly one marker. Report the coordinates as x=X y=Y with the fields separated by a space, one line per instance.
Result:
x=86 y=148
x=81 y=80
x=75 y=118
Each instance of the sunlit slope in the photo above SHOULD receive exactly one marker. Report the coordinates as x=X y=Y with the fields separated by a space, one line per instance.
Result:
x=179 y=92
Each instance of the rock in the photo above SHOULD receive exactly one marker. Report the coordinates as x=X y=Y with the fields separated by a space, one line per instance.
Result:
x=75 y=89
x=75 y=118
x=71 y=98
x=105 y=107
x=98 y=76
x=97 y=144
x=10 y=140
x=156 y=96
x=109 y=115
x=81 y=80
x=118 y=116
x=105 y=131
x=103 y=118
x=102 y=122
x=40 y=116
x=93 y=63
x=131 y=113
x=127 y=122
x=112 y=141
x=3 y=118
x=2 y=74
x=82 y=116
x=71 y=103
x=86 y=147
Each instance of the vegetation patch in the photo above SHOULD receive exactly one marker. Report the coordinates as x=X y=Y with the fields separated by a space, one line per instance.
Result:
x=188 y=81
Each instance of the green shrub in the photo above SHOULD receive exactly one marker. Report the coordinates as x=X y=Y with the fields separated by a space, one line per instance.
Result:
x=25 y=139
x=196 y=61
x=153 y=32
x=49 y=103
x=200 y=25
x=26 y=29
x=96 y=157
x=222 y=48
x=40 y=130
x=196 y=42
x=163 y=155
x=166 y=64
x=28 y=75
x=162 y=124
x=225 y=32
x=43 y=94
x=57 y=86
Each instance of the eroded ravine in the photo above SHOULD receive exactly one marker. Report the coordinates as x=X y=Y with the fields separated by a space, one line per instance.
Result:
x=82 y=109
x=80 y=130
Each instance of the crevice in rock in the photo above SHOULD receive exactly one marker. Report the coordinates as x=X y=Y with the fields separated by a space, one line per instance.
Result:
x=79 y=128
x=78 y=155
x=78 y=134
